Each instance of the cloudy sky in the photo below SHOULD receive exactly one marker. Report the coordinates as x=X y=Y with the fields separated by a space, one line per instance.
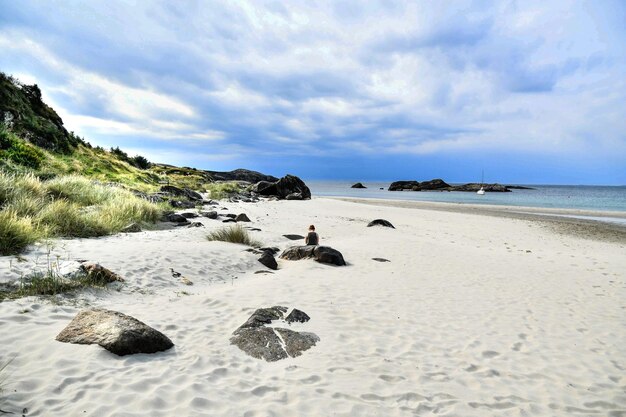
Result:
x=529 y=92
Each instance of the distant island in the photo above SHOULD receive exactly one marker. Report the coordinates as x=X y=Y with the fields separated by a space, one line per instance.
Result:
x=440 y=185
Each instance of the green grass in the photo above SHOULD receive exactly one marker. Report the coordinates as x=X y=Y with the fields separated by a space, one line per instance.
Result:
x=51 y=283
x=234 y=234
x=68 y=206
x=221 y=190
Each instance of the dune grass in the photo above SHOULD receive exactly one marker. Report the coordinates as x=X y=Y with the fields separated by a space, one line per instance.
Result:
x=234 y=234
x=69 y=206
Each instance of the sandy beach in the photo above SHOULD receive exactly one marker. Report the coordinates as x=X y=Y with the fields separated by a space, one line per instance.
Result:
x=476 y=314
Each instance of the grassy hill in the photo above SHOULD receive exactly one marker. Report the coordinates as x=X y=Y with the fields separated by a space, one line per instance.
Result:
x=54 y=183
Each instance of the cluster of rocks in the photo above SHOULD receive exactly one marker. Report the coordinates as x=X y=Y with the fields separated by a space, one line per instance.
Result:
x=256 y=338
x=322 y=254
x=176 y=197
x=288 y=187
x=182 y=219
x=440 y=185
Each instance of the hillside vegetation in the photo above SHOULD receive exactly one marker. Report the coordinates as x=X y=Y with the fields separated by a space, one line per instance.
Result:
x=54 y=183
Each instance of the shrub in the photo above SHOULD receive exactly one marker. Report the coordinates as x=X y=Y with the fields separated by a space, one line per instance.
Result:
x=140 y=162
x=220 y=190
x=16 y=232
x=234 y=234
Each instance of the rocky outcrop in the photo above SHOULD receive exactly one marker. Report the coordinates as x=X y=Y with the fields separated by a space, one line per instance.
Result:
x=181 y=192
x=436 y=184
x=256 y=338
x=358 y=185
x=322 y=254
x=114 y=331
x=241 y=175
x=288 y=187
x=380 y=222
x=473 y=187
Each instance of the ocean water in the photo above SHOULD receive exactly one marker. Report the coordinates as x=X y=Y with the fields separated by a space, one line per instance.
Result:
x=600 y=198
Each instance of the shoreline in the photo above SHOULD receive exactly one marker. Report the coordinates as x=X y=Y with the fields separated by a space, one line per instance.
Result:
x=581 y=223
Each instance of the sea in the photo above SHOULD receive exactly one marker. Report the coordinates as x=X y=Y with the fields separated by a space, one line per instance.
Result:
x=610 y=199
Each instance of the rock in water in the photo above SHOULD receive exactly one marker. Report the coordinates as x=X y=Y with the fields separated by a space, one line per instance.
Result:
x=114 y=331
x=260 y=341
x=323 y=254
x=380 y=222
x=358 y=185
x=268 y=260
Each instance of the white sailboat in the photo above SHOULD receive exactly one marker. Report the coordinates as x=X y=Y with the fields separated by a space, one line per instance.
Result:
x=482 y=189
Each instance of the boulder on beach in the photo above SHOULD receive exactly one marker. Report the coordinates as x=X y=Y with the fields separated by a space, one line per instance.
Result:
x=288 y=186
x=380 y=222
x=322 y=254
x=209 y=214
x=176 y=218
x=358 y=185
x=114 y=331
x=268 y=260
x=256 y=338
x=189 y=215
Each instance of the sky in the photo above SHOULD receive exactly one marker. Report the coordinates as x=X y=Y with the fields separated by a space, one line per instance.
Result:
x=530 y=92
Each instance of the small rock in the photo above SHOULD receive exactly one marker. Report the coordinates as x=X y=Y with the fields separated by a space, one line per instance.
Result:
x=99 y=273
x=297 y=316
x=131 y=228
x=229 y=221
x=264 y=271
x=242 y=218
x=195 y=224
x=230 y=215
x=294 y=237
x=381 y=260
x=209 y=214
x=358 y=185
x=380 y=222
x=176 y=218
x=189 y=215
x=268 y=260
x=186 y=281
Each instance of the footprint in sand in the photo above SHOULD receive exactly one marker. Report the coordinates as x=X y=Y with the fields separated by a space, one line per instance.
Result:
x=490 y=354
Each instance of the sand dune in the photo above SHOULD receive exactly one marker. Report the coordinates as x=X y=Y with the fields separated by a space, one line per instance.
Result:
x=473 y=316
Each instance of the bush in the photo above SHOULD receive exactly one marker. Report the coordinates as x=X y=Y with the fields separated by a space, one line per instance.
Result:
x=233 y=234
x=140 y=162
x=16 y=232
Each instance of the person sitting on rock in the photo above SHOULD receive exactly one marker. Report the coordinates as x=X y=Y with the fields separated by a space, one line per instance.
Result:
x=312 y=238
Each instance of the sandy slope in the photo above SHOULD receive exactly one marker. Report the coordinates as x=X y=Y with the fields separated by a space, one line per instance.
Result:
x=473 y=316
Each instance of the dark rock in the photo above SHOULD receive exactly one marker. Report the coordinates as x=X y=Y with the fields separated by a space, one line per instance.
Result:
x=268 y=260
x=209 y=214
x=189 y=215
x=241 y=175
x=294 y=237
x=195 y=224
x=185 y=223
x=176 y=218
x=131 y=228
x=273 y=250
x=264 y=271
x=287 y=185
x=258 y=340
x=297 y=316
x=381 y=260
x=242 y=218
x=322 y=254
x=183 y=204
x=230 y=215
x=436 y=184
x=264 y=316
x=358 y=185
x=229 y=220
x=181 y=192
x=98 y=273
x=380 y=222
x=381 y=188
x=253 y=229
x=114 y=331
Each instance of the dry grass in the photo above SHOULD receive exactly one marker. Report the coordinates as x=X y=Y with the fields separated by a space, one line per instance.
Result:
x=234 y=234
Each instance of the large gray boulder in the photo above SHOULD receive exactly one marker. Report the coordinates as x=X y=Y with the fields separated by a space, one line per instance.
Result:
x=323 y=254
x=114 y=331
x=259 y=339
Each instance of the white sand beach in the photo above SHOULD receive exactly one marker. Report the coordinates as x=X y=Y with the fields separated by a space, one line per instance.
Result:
x=474 y=315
